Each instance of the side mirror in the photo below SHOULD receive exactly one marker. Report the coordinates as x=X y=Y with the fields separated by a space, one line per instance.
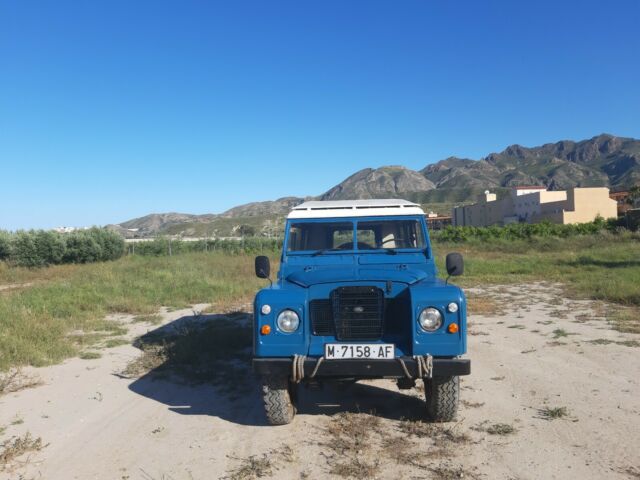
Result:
x=455 y=264
x=263 y=267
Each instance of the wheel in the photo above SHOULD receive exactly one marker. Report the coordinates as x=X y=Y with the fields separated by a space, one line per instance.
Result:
x=278 y=402
x=442 y=395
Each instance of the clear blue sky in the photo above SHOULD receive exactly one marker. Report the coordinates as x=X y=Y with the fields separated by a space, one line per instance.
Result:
x=114 y=109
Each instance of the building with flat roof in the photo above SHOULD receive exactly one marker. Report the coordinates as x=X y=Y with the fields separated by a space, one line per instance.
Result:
x=533 y=204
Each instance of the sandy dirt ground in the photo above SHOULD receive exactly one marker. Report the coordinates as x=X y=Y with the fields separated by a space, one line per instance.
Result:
x=97 y=425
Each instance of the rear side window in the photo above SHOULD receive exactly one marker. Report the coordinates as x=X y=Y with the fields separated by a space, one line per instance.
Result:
x=391 y=234
x=315 y=236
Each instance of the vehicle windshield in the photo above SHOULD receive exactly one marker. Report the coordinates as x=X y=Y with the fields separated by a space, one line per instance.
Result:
x=320 y=237
x=389 y=234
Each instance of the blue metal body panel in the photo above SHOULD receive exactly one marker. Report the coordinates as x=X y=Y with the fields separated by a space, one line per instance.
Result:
x=412 y=274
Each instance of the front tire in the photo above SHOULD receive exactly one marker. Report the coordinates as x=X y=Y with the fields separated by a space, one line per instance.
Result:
x=278 y=402
x=442 y=395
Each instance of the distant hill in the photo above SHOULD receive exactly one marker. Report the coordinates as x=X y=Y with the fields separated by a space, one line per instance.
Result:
x=604 y=160
x=282 y=206
x=155 y=223
x=381 y=182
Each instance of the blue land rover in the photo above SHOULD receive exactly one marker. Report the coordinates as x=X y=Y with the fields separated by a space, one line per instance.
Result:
x=357 y=297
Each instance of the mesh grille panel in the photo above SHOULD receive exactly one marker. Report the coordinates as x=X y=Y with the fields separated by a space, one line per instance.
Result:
x=358 y=313
x=321 y=317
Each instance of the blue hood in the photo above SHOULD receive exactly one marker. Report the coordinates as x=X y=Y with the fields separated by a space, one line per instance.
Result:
x=355 y=274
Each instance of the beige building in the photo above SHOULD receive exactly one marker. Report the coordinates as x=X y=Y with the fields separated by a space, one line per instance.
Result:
x=535 y=204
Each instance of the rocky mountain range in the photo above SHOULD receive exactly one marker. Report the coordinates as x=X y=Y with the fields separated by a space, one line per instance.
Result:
x=604 y=160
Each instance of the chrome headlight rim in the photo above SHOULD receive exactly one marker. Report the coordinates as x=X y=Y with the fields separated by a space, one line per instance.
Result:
x=288 y=321
x=430 y=319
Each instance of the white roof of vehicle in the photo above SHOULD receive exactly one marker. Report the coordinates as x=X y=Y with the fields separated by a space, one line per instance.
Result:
x=355 y=208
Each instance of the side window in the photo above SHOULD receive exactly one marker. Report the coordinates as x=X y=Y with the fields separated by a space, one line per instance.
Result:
x=366 y=238
x=343 y=239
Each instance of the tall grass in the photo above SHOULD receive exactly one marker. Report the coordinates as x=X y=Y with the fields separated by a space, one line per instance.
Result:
x=35 y=322
x=603 y=266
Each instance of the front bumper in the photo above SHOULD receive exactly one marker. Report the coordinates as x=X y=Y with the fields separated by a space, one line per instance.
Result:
x=359 y=368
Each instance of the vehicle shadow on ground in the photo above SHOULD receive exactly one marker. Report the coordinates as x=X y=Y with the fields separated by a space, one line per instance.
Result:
x=201 y=366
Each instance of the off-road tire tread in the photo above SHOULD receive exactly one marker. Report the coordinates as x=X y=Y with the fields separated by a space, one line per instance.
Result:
x=278 y=404
x=442 y=395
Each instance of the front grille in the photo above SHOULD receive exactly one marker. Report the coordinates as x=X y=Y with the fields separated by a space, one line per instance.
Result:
x=321 y=316
x=358 y=313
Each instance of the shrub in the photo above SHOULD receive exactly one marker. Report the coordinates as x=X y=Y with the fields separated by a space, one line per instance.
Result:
x=111 y=244
x=38 y=248
x=82 y=247
x=524 y=231
x=23 y=250
x=5 y=245
x=49 y=247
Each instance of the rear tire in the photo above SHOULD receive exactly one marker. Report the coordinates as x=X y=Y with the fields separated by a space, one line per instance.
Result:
x=278 y=402
x=442 y=395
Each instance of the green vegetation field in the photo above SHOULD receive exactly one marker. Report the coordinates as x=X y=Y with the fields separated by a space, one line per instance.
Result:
x=48 y=314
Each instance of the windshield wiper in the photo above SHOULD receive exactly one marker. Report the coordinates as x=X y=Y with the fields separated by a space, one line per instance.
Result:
x=391 y=251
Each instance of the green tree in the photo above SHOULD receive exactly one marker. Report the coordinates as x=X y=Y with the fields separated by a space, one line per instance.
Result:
x=82 y=247
x=50 y=247
x=5 y=245
x=246 y=230
x=112 y=245
x=24 y=251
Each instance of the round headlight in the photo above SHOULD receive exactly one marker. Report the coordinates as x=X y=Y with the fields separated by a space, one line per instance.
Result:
x=452 y=307
x=430 y=319
x=288 y=321
x=266 y=309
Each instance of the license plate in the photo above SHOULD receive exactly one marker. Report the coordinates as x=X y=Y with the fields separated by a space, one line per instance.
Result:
x=334 y=351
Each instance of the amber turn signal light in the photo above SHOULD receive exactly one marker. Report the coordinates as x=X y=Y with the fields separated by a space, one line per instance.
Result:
x=265 y=330
x=453 y=328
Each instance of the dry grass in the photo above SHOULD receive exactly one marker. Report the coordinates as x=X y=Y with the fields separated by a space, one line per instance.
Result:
x=561 y=333
x=439 y=433
x=202 y=349
x=90 y=355
x=15 y=380
x=624 y=343
x=553 y=413
x=625 y=320
x=153 y=319
x=352 y=438
x=448 y=472
x=266 y=465
x=151 y=358
x=483 y=305
x=252 y=467
x=115 y=342
x=500 y=429
x=403 y=451
x=14 y=448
